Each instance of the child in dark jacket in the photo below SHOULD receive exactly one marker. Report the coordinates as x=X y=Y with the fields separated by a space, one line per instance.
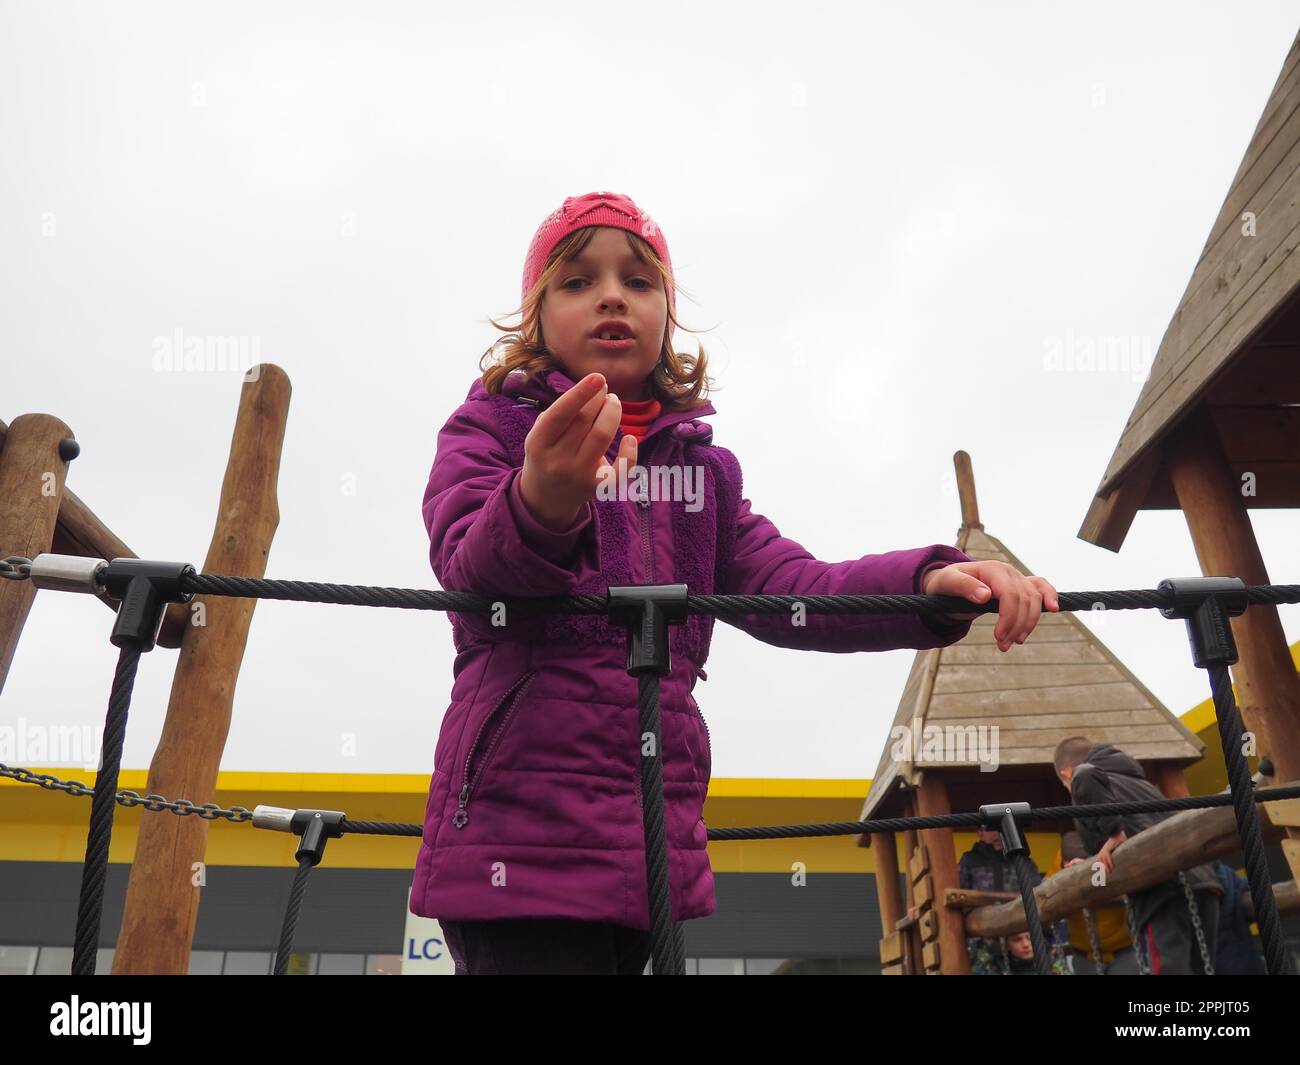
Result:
x=533 y=857
x=1168 y=938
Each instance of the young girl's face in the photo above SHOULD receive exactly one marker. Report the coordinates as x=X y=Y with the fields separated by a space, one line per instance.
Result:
x=606 y=281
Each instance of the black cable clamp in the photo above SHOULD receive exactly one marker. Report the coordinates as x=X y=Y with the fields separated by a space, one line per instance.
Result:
x=144 y=588
x=1008 y=818
x=315 y=827
x=648 y=610
x=1206 y=603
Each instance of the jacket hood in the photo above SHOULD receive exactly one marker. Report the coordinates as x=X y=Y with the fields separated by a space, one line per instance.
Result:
x=1110 y=759
x=542 y=389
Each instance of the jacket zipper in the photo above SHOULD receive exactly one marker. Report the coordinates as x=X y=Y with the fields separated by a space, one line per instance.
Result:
x=644 y=515
x=511 y=701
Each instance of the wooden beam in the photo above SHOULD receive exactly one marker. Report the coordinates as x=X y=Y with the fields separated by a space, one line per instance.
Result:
x=1285 y=895
x=1152 y=856
x=888 y=894
x=891 y=948
x=33 y=470
x=1110 y=517
x=931 y=801
x=1268 y=692
x=79 y=531
x=162 y=898
x=967 y=899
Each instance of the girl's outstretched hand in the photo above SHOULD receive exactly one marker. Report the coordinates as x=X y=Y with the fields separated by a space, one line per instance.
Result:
x=564 y=452
x=1020 y=599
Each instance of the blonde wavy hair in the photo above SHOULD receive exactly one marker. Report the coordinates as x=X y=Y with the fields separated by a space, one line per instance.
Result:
x=679 y=381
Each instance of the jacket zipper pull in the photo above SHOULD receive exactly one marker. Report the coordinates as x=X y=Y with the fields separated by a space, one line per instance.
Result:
x=461 y=817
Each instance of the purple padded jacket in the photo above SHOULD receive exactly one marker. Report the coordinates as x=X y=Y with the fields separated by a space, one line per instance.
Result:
x=534 y=806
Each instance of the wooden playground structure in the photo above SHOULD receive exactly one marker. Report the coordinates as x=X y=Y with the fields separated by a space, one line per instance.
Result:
x=1215 y=431
x=38 y=513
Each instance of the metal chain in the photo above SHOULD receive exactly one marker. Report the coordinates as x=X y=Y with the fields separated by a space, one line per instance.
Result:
x=1195 y=911
x=1094 y=941
x=209 y=811
x=15 y=568
x=1144 y=967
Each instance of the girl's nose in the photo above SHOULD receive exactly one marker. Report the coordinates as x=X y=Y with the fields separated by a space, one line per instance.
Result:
x=611 y=294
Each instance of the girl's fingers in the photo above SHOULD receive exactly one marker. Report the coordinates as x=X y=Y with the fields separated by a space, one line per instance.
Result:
x=554 y=422
x=1033 y=611
x=1051 y=600
x=580 y=426
x=593 y=446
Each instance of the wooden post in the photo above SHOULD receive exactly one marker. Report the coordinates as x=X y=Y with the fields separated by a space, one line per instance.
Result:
x=1268 y=692
x=909 y=845
x=1170 y=780
x=932 y=801
x=162 y=898
x=34 y=461
x=887 y=891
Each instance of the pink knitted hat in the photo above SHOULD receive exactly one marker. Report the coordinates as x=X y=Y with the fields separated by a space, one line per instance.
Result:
x=593 y=209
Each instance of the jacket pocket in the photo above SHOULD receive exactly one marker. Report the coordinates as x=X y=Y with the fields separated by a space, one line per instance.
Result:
x=486 y=741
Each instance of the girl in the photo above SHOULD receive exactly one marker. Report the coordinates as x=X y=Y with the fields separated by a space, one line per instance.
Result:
x=532 y=854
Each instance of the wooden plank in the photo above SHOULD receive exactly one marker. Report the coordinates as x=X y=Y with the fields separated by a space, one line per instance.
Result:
x=924 y=892
x=930 y=956
x=1123 y=735
x=1078 y=650
x=929 y=926
x=1268 y=374
x=1291 y=851
x=1230 y=272
x=1277 y=487
x=966 y=899
x=1268 y=273
x=1028 y=722
x=1267 y=161
x=1043 y=755
x=1255 y=435
x=1112 y=695
x=891 y=948
x=962 y=679
x=892 y=970
x=918 y=864
x=1285 y=813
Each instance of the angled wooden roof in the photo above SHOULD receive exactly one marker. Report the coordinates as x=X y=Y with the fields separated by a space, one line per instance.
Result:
x=1233 y=344
x=1063 y=681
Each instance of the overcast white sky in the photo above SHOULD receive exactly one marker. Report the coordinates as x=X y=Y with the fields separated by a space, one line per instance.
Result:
x=888 y=215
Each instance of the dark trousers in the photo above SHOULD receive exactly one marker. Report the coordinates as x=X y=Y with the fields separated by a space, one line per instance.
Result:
x=1169 y=940
x=545 y=946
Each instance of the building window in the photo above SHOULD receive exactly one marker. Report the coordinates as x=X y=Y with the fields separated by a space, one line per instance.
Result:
x=206 y=962
x=247 y=963
x=342 y=965
x=722 y=967
x=17 y=961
